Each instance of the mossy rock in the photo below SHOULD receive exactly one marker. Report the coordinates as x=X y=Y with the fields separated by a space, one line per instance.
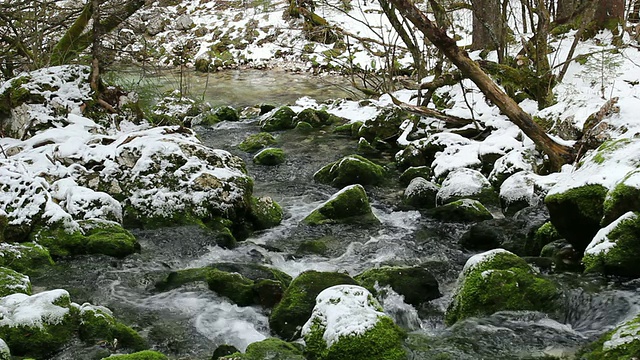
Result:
x=12 y=282
x=615 y=249
x=349 y=205
x=4 y=223
x=100 y=237
x=544 y=235
x=421 y=193
x=576 y=213
x=256 y=142
x=303 y=127
x=563 y=255
x=416 y=284
x=5 y=352
x=621 y=343
x=350 y=129
x=622 y=198
x=330 y=334
x=414 y=172
x=270 y=348
x=265 y=108
x=465 y=210
x=269 y=156
x=51 y=325
x=26 y=258
x=224 y=350
x=312 y=247
x=281 y=119
x=499 y=280
x=352 y=169
x=365 y=147
x=385 y=126
x=226 y=113
x=467 y=184
x=317 y=118
x=298 y=301
x=97 y=324
x=141 y=355
x=265 y=212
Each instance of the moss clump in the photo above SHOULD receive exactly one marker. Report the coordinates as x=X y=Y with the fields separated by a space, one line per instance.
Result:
x=352 y=169
x=98 y=325
x=141 y=355
x=622 y=343
x=621 y=199
x=413 y=172
x=500 y=281
x=271 y=348
x=226 y=113
x=576 y=213
x=256 y=142
x=349 y=205
x=317 y=118
x=464 y=210
x=265 y=212
x=621 y=256
x=281 y=119
x=312 y=247
x=12 y=282
x=543 y=236
x=270 y=157
x=416 y=284
x=298 y=301
x=27 y=258
x=385 y=126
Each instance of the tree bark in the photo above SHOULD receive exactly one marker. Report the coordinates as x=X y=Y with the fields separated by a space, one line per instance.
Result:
x=558 y=154
x=487 y=24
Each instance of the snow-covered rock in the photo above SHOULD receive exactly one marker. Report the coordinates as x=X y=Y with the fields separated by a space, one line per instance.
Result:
x=421 y=193
x=466 y=183
x=615 y=249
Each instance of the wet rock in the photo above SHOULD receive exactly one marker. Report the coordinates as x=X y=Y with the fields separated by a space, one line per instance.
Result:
x=141 y=355
x=414 y=172
x=385 y=126
x=352 y=169
x=467 y=184
x=544 y=235
x=270 y=348
x=499 y=280
x=221 y=113
x=421 y=193
x=98 y=324
x=269 y=157
x=349 y=205
x=423 y=152
x=615 y=249
x=623 y=342
x=365 y=148
x=298 y=301
x=256 y=142
x=563 y=255
x=12 y=282
x=281 y=119
x=465 y=210
x=347 y=322
x=317 y=118
x=265 y=212
x=224 y=350
x=416 y=284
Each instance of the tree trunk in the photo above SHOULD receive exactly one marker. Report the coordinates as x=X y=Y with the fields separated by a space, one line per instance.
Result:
x=558 y=154
x=610 y=14
x=487 y=24
x=566 y=8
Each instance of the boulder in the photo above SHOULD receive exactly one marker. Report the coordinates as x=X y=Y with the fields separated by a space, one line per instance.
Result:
x=280 y=119
x=26 y=258
x=140 y=355
x=624 y=197
x=421 y=193
x=544 y=235
x=465 y=210
x=5 y=353
x=414 y=172
x=265 y=212
x=183 y=23
x=467 y=184
x=513 y=162
x=518 y=192
x=256 y=142
x=563 y=255
x=316 y=118
x=512 y=234
x=349 y=205
x=615 y=249
x=98 y=324
x=221 y=113
x=576 y=213
x=298 y=301
x=499 y=280
x=12 y=282
x=623 y=342
x=352 y=169
x=269 y=157
x=348 y=323
x=416 y=284
x=224 y=350
x=386 y=125
x=270 y=348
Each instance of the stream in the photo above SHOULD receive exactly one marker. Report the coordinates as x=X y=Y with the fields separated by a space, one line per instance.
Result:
x=191 y=321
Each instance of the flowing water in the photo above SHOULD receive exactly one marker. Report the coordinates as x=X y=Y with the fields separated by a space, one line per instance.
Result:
x=191 y=321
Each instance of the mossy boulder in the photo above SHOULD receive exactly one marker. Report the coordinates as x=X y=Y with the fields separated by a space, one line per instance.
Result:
x=265 y=212
x=270 y=348
x=352 y=169
x=269 y=156
x=214 y=116
x=421 y=193
x=513 y=162
x=544 y=235
x=465 y=210
x=97 y=324
x=615 y=249
x=298 y=301
x=175 y=109
x=416 y=284
x=27 y=258
x=224 y=350
x=141 y=355
x=576 y=213
x=348 y=323
x=624 y=197
x=563 y=255
x=385 y=126
x=37 y=325
x=349 y=205
x=621 y=343
x=5 y=352
x=12 y=282
x=499 y=280
x=94 y=237
x=365 y=147
x=256 y=142
x=414 y=172
x=317 y=118
x=467 y=184
x=281 y=119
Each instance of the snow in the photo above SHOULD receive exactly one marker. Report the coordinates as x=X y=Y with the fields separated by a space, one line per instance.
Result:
x=623 y=335
x=343 y=311
x=462 y=182
x=601 y=242
x=33 y=311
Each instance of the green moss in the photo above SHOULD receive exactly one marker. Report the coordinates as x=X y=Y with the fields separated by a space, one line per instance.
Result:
x=464 y=210
x=385 y=125
x=256 y=142
x=350 y=205
x=235 y=287
x=503 y=282
x=265 y=212
x=604 y=151
x=299 y=299
x=317 y=118
x=543 y=236
x=142 y=355
x=352 y=169
x=59 y=241
x=270 y=157
x=227 y=113
x=621 y=199
x=12 y=282
x=270 y=348
x=317 y=247
x=98 y=326
x=382 y=342
x=416 y=284
x=621 y=259
x=281 y=119
x=629 y=350
x=413 y=172
x=576 y=213
x=27 y=258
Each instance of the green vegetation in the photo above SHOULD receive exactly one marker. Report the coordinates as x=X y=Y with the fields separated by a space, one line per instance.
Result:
x=416 y=284
x=622 y=257
x=142 y=355
x=271 y=348
x=281 y=119
x=12 y=282
x=352 y=169
x=257 y=141
x=269 y=157
x=350 y=205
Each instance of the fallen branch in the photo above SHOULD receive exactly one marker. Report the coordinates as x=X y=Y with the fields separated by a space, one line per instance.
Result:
x=424 y=111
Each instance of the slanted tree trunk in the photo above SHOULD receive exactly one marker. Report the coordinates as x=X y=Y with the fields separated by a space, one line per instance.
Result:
x=487 y=24
x=558 y=154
